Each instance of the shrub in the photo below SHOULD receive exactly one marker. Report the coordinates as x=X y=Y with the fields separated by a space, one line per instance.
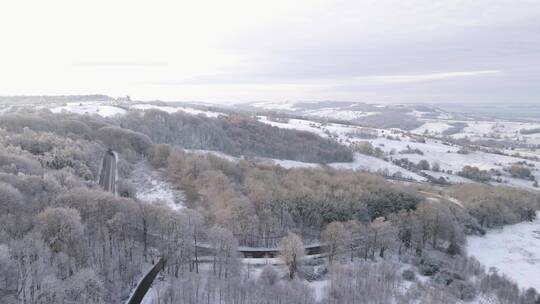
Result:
x=408 y=275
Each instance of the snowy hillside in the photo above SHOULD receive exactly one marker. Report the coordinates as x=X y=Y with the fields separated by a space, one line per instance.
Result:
x=513 y=250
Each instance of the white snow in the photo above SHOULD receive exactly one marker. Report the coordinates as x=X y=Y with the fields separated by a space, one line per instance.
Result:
x=296 y=124
x=90 y=108
x=150 y=297
x=288 y=164
x=514 y=250
x=152 y=188
x=319 y=288
x=432 y=127
x=377 y=165
x=170 y=109
x=434 y=150
x=287 y=105
x=338 y=114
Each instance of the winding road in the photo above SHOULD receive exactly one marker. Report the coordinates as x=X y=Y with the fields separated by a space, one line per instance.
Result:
x=107 y=177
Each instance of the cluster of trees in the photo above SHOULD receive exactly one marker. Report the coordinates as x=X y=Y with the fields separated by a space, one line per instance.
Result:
x=265 y=201
x=520 y=171
x=243 y=287
x=415 y=167
x=366 y=148
x=475 y=173
x=134 y=133
x=235 y=135
x=497 y=206
x=459 y=280
x=529 y=131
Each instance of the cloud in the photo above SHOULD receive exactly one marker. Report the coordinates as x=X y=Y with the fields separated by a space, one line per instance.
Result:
x=388 y=79
x=317 y=49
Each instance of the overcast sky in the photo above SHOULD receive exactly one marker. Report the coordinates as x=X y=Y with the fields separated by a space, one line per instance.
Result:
x=359 y=50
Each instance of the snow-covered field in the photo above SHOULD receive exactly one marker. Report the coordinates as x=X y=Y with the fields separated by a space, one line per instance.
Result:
x=372 y=164
x=287 y=105
x=513 y=250
x=169 y=109
x=433 y=150
x=99 y=108
x=343 y=115
x=152 y=187
x=432 y=127
x=108 y=109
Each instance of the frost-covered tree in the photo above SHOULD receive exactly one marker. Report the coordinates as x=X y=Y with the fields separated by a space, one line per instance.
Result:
x=336 y=238
x=291 y=249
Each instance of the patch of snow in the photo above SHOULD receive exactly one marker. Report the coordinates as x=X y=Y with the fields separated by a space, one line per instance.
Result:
x=288 y=164
x=152 y=188
x=514 y=250
x=214 y=153
x=90 y=108
x=287 y=105
x=432 y=127
x=170 y=109
x=434 y=150
x=150 y=297
x=339 y=113
x=373 y=164
x=296 y=124
x=319 y=289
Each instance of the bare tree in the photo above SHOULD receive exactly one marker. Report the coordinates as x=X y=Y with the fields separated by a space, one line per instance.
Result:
x=291 y=251
x=336 y=238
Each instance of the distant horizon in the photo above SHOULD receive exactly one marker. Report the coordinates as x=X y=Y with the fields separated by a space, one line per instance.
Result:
x=223 y=102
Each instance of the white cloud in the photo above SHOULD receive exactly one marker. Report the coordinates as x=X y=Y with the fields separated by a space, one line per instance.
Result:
x=267 y=49
x=382 y=79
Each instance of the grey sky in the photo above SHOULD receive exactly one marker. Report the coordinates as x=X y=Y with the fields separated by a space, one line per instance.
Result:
x=372 y=51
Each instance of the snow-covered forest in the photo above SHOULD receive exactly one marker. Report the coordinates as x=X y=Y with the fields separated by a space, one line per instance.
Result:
x=199 y=194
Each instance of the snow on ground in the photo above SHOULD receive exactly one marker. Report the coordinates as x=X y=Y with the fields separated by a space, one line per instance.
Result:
x=361 y=163
x=295 y=124
x=150 y=297
x=90 y=108
x=152 y=188
x=432 y=127
x=498 y=130
x=169 y=109
x=215 y=153
x=373 y=164
x=338 y=114
x=287 y=105
x=451 y=178
x=288 y=164
x=319 y=289
x=514 y=250
x=434 y=150
x=5 y=108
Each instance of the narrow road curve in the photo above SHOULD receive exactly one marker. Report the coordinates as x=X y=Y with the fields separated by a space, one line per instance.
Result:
x=145 y=284
x=107 y=177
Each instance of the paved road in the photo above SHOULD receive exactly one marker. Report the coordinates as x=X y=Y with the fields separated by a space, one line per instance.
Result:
x=107 y=178
x=146 y=283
